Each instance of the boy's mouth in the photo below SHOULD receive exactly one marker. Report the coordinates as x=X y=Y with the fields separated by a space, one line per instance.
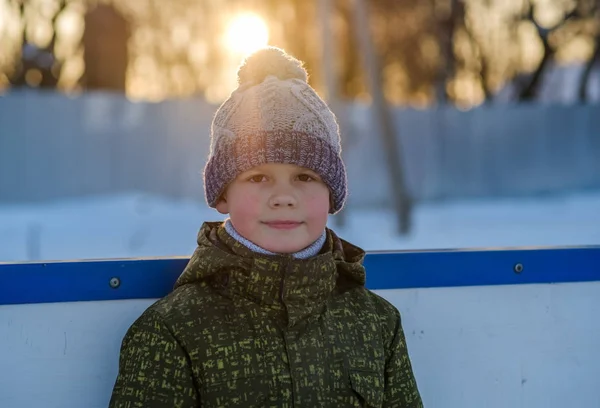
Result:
x=282 y=224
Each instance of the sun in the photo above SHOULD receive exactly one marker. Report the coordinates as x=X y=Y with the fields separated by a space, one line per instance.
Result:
x=246 y=33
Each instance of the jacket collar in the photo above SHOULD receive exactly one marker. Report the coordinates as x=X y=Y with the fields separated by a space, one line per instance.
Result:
x=292 y=288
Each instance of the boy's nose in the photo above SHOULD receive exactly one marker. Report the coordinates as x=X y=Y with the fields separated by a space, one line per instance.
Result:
x=282 y=200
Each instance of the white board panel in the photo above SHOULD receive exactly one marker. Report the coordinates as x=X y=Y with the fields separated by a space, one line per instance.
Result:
x=532 y=346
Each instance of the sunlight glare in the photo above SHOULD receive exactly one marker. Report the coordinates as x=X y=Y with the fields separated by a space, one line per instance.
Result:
x=246 y=33
x=3 y=16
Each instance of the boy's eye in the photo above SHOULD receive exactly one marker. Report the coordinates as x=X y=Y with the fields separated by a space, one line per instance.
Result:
x=306 y=177
x=257 y=178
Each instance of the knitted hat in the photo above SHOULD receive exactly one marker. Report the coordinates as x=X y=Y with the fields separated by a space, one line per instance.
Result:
x=274 y=116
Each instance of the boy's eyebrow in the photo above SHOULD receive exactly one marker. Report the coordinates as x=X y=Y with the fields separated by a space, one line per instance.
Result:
x=260 y=170
x=311 y=172
x=304 y=170
x=253 y=171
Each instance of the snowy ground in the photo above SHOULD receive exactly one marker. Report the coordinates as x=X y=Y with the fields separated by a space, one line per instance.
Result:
x=144 y=226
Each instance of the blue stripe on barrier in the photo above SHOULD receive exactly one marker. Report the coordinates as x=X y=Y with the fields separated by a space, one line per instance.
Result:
x=153 y=278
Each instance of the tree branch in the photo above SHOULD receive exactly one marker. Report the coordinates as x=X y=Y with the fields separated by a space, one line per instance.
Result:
x=530 y=90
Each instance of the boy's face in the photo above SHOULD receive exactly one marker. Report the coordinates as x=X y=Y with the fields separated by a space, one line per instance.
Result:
x=282 y=208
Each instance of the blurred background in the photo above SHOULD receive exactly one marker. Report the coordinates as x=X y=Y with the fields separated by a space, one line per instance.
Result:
x=465 y=123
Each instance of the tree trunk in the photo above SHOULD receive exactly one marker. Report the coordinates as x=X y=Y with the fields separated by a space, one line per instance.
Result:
x=330 y=77
x=105 y=49
x=402 y=200
x=585 y=76
x=531 y=89
x=446 y=28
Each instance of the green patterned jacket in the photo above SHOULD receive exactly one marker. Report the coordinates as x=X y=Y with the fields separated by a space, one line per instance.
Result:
x=248 y=330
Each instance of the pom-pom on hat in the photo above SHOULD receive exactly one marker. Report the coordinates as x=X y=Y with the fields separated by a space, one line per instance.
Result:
x=274 y=116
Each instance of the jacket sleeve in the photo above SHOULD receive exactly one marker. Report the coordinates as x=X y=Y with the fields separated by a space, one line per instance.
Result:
x=154 y=370
x=400 y=385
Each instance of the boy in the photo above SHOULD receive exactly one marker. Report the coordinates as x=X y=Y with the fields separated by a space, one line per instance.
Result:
x=271 y=310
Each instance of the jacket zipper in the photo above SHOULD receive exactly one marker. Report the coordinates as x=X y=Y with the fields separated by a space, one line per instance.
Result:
x=281 y=286
x=287 y=271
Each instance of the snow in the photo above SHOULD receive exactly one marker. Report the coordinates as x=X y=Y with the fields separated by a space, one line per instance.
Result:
x=139 y=225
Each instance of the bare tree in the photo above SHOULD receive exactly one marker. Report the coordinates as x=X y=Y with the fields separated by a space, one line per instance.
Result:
x=448 y=16
x=530 y=89
x=105 y=49
x=42 y=61
x=420 y=45
x=594 y=59
x=481 y=57
x=589 y=66
x=402 y=200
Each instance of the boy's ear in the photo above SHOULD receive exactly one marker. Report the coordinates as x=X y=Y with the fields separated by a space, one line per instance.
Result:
x=222 y=205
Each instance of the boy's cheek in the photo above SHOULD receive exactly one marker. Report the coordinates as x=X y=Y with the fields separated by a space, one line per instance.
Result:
x=246 y=197
x=320 y=203
x=245 y=206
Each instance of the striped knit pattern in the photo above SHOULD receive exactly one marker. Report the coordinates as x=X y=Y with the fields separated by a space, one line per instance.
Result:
x=235 y=156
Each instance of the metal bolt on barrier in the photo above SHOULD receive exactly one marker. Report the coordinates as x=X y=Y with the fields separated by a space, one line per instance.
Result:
x=518 y=268
x=115 y=282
